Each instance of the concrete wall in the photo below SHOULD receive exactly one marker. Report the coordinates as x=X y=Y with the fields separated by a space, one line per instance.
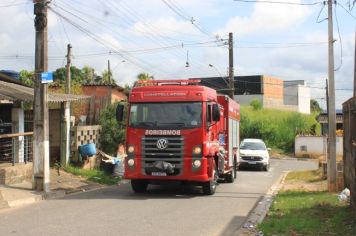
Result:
x=296 y=93
x=15 y=174
x=246 y=99
x=315 y=146
x=304 y=99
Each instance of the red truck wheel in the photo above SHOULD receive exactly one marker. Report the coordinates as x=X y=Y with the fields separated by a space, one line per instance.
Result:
x=209 y=187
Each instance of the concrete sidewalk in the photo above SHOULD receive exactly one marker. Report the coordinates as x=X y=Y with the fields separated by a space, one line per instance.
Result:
x=16 y=195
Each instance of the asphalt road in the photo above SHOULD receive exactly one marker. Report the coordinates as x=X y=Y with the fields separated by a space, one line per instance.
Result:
x=164 y=210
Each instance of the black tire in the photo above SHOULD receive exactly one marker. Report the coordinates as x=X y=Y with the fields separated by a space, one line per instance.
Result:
x=266 y=167
x=235 y=168
x=230 y=177
x=139 y=186
x=209 y=187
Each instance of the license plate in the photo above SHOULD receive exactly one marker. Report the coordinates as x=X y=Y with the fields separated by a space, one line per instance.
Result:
x=252 y=162
x=159 y=174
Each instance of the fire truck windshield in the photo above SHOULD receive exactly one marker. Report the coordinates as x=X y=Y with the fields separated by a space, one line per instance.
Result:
x=166 y=115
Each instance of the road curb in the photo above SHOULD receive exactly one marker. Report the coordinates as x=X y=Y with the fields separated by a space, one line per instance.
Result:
x=7 y=204
x=259 y=211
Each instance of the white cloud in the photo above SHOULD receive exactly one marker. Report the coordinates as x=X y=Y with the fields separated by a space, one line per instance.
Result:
x=265 y=18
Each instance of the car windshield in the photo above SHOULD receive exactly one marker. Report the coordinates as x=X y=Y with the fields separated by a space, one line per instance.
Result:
x=166 y=115
x=252 y=146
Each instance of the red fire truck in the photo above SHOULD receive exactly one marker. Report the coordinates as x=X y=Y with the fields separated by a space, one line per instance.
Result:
x=178 y=130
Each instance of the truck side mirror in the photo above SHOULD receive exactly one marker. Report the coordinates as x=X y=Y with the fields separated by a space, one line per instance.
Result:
x=120 y=112
x=216 y=112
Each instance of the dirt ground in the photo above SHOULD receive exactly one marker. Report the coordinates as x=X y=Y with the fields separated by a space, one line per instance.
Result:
x=305 y=186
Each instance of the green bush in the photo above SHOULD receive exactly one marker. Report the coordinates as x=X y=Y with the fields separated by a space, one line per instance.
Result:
x=256 y=104
x=277 y=128
x=112 y=133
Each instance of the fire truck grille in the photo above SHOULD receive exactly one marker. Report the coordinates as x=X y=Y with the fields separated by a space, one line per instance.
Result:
x=172 y=153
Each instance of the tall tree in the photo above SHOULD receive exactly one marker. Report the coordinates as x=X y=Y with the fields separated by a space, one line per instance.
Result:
x=27 y=77
x=145 y=76
x=88 y=74
x=314 y=106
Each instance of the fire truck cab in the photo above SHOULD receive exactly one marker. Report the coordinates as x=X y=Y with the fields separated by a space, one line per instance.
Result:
x=177 y=130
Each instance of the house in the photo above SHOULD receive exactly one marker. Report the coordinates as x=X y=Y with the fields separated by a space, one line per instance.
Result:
x=323 y=119
x=16 y=139
x=271 y=92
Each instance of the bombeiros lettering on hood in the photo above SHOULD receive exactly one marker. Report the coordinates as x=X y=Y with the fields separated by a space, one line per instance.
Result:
x=162 y=132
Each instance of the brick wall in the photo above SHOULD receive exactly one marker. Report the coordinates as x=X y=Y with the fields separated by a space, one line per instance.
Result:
x=272 y=88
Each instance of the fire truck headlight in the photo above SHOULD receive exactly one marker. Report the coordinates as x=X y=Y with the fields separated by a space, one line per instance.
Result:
x=130 y=149
x=197 y=163
x=197 y=150
x=131 y=162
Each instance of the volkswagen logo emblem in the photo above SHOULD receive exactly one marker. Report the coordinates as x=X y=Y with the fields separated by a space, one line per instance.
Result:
x=162 y=143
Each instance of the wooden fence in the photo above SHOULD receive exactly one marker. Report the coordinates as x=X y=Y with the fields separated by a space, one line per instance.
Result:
x=349 y=111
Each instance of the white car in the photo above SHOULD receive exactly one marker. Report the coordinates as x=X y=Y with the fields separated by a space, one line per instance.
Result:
x=253 y=152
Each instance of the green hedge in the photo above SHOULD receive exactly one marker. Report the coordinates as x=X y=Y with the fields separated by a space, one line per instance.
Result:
x=277 y=128
x=112 y=133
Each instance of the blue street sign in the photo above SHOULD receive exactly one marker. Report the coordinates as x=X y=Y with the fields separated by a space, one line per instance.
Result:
x=46 y=77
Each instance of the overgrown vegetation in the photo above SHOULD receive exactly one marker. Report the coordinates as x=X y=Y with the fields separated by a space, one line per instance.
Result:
x=112 y=133
x=277 y=128
x=297 y=212
x=95 y=175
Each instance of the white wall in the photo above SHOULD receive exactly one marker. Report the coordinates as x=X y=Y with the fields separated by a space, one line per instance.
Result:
x=304 y=99
x=315 y=146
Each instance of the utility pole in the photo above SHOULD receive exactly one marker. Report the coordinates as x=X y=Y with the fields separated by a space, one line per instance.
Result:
x=109 y=72
x=40 y=181
x=231 y=66
x=65 y=149
x=331 y=105
x=355 y=68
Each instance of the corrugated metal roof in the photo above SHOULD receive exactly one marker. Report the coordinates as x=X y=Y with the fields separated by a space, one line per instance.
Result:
x=15 y=92
x=323 y=118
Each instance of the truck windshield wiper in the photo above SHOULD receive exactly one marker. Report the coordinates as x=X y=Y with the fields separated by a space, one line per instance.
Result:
x=147 y=123
x=180 y=124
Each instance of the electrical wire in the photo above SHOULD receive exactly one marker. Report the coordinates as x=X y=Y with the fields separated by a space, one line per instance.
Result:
x=104 y=43
x=321 y=10
x=338 y=31
x=348 y=12
x=278 y=2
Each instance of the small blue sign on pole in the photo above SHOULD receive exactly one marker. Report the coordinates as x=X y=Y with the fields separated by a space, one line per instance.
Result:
x=46 y=77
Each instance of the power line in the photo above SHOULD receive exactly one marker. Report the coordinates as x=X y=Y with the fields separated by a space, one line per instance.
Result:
x=103 y=42
x=278 y=2
x=338 y=31
x=348 y=12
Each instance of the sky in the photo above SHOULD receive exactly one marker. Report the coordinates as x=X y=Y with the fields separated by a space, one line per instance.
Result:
x=162 y=37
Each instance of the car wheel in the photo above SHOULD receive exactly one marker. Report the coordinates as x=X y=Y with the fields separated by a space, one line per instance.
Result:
x=139 y=186
x=266 y=167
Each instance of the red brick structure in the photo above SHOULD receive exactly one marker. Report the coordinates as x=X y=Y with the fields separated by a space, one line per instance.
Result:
x=102 y=96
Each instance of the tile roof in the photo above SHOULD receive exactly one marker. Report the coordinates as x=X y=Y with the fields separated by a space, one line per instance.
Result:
x=16 y=92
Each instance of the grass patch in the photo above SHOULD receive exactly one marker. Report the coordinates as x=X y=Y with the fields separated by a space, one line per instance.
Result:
x=95 y=175
x=296 y=212
x=308 y=213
